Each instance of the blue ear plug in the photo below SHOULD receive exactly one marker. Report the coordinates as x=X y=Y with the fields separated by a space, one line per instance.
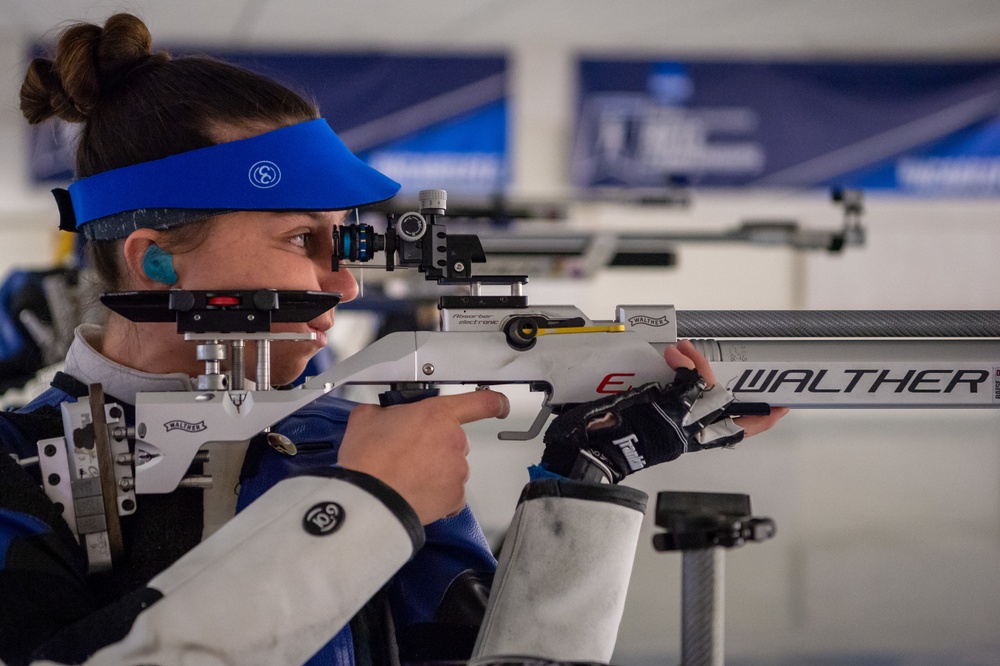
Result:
x=159 y=265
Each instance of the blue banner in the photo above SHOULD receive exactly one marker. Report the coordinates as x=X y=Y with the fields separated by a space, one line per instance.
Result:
x=921 y=128
x=425 y=121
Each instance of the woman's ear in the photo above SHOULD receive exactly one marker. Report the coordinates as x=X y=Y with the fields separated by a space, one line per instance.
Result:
x=149 y=265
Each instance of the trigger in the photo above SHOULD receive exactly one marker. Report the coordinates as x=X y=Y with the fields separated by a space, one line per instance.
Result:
x=533 y=431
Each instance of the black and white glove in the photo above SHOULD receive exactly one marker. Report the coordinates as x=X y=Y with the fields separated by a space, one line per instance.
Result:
x=640 y=428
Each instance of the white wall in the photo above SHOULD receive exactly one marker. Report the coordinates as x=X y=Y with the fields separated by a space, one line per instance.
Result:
x=888 y=523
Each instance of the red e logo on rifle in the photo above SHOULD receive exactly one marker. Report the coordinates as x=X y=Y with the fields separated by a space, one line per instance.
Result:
x=610 y=385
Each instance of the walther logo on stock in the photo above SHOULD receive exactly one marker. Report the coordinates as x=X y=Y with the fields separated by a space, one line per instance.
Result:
x=648 y=321
x=185 y=426
x=868 y=380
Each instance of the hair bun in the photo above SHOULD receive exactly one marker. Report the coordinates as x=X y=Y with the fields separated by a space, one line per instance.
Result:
x=90 y=61
x=124 y=45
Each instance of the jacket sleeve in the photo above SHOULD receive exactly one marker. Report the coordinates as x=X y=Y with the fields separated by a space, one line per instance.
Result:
x=273 y=584
x=564 y=570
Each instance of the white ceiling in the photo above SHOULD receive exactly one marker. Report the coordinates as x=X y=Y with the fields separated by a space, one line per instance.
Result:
x=762 y=28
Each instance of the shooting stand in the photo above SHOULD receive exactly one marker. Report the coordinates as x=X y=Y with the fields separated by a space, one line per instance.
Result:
x=701 y=526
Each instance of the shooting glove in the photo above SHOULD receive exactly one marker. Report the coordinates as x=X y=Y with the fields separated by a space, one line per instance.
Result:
x=640 y=428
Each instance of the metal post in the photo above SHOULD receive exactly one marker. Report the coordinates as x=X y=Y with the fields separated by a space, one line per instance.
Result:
x=703 y=607
x=263 y=365
x=238 y=365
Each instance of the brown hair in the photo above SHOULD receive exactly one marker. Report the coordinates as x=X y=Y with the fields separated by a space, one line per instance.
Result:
x=137 y=105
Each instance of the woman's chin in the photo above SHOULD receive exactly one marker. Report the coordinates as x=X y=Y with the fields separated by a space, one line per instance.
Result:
x=284 y=378
x=289 y=361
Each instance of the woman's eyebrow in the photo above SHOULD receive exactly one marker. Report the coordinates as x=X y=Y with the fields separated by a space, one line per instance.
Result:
x=326 y=217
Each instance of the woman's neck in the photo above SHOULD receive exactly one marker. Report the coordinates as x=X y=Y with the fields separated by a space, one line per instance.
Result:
x=150 y=347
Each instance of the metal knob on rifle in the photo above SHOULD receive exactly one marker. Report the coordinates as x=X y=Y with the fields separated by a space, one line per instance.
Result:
x=212 y=353
x=411 y=227
x=433 y=202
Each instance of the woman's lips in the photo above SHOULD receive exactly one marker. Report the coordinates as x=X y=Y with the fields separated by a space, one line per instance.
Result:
x=320 y=335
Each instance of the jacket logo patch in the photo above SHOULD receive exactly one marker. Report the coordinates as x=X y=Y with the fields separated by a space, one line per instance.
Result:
x=323 y=519
x=186 y=426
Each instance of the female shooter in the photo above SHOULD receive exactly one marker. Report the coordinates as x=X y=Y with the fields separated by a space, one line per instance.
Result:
x=196 y=175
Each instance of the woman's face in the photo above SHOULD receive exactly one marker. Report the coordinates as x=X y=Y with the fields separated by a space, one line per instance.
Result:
x=271 y=250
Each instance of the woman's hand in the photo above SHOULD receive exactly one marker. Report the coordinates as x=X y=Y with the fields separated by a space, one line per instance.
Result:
x=649 y=425
x=420 y=449
x=684 y=355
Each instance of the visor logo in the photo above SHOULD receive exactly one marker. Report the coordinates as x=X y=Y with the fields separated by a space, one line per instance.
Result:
x=264 y=174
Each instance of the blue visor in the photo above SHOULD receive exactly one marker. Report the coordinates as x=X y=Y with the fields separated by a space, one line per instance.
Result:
x=300 y=167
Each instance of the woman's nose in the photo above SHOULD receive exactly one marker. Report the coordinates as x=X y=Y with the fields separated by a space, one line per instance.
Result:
x=342 y=281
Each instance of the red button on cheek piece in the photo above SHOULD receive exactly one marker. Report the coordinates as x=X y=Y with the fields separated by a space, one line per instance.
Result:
x=220 y=301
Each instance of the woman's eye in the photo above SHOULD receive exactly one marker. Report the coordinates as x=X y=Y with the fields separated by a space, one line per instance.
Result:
x=299 y=240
